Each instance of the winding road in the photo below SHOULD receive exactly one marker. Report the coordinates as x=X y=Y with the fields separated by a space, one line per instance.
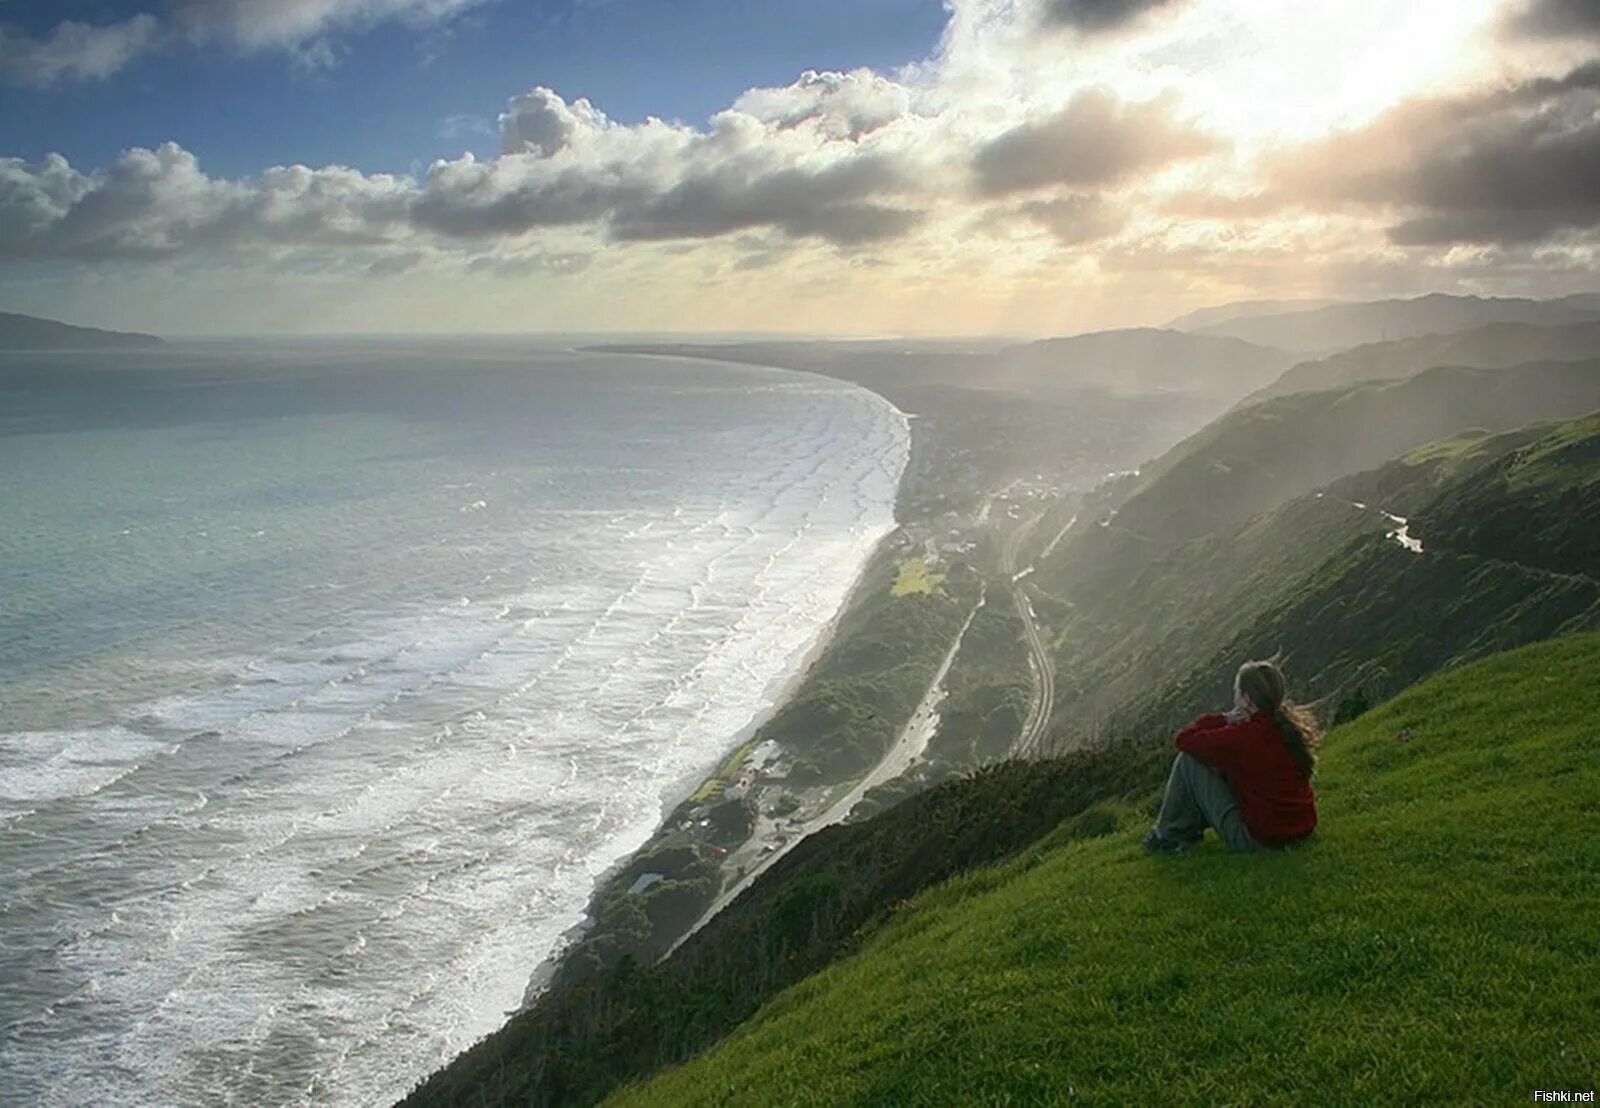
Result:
x=1031 y=739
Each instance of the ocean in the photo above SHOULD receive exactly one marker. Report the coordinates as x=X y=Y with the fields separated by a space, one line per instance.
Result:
x=332 y=676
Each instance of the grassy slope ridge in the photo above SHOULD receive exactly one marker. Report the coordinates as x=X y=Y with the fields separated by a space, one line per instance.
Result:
x=1254 y=458
x=1495 y=346
x=585 y=1039
x=1429 y=944
x=1146 y=631
x=1346 y=325
x=1512 y=555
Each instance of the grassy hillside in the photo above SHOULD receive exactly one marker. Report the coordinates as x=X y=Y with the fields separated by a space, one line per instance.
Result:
x=1257 y=457
x=1430 y=944
x=1511 y=555
x=1339 y=326
x=1496 y=346
x=583 y=1040
x=1146 y=632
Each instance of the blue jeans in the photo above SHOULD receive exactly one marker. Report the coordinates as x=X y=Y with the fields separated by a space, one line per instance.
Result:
x=1198 y=797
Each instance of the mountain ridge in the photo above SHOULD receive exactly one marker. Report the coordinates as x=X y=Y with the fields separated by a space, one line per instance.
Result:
x=27 y=332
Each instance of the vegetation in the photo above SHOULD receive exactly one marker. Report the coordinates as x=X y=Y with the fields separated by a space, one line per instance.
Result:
x=1076 y=965
x=915 y=577
x=1427 y=945
x=584 y=1039
x=847 y=710
x=1148 y=630
x=1512 y=555
x=1493 y=346
x=1260 y=456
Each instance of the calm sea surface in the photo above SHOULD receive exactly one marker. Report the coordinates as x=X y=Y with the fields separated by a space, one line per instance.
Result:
x=332 y=677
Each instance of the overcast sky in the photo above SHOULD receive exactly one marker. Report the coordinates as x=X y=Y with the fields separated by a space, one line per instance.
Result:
x=871 y=166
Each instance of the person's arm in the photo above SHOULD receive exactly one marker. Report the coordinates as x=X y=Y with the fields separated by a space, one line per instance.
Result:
x=1208 y=722
x=1217 y=743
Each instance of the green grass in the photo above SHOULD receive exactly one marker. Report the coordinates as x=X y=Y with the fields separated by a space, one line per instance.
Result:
x=1437 y=942
x=916 y=578
x=713 y=786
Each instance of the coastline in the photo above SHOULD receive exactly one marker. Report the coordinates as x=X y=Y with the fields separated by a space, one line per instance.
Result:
x=741 y=744
x=739 y=747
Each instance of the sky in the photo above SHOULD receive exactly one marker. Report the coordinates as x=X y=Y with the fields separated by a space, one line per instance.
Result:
x=829 y=167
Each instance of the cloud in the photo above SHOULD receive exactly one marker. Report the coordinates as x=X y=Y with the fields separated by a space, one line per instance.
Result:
x=541 y=122
x=835 y=203
x=1514 y=164
x=158 y=203
x=1557 y=19
x=1098 y=16
x=258 y=24
x=566 y=166
x=1096 y=139
x=837 y=105
x=74 y=51
x=1076 y=220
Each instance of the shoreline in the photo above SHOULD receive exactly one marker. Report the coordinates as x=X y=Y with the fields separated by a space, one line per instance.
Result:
x=740 y=745
x=685 y=789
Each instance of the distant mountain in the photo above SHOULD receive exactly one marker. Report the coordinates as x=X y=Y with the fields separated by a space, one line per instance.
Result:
x=26 y=332
x=1495 y=346
x=1256 y=457
x=1341 y=326
x=1139 y=360
x=1244 y=309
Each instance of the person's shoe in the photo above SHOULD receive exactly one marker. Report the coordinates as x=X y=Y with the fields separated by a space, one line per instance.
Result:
x=1156 y=843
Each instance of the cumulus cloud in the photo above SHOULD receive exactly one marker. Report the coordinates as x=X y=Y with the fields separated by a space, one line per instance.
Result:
x=1514 y=164
x=837 y=105
x=1098 y=16
x=1076 y=220
x=1096 y=139
x=74 y=51
x=565 y=166
x=158 y=203
x=1558 y=19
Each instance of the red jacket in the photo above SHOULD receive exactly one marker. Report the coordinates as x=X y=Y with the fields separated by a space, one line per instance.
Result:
x=1276 y=802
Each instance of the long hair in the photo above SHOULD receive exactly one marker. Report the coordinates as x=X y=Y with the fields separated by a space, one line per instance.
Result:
x=1264 y=684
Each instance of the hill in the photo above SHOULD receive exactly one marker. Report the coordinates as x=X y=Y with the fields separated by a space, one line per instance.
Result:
x=1259 y=456
x=1340 y=326
x=1494 y=346
x=813 y=907
x=1509 y=554
x=1244 y=309
x=1140 y=626
x=26 y=332
x=1425 y=945
x=1138 y=360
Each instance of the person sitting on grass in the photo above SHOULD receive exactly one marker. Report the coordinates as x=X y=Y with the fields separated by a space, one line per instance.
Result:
x=1247 y=773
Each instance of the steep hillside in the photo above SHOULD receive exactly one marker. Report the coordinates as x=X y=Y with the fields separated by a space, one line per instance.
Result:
x=1427 y=945
x=1139 y=360
x=1496 y=346
x=1244 y=309
x=26 y=332
x=1339 y=326
x=1139 y=624
x=1510 y=555
x=813 y=907
x=1257 y=457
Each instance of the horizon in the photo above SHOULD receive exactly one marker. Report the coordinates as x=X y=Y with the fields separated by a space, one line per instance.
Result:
x=984 y=167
